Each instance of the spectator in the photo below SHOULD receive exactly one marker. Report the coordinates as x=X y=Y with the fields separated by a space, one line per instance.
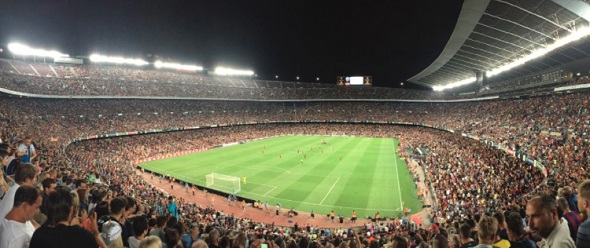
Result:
x=115 y=222
x=573 y=219
x=24 y=174
x=49 y=186
x=499 y=241
x=161 y=227
x=13 y=228
x=150 y=242
x=516 y=233
x=57 y=232
x=140 y=227
x=213 y=239
x=584 y=206
x=543 y=220
x=465 y=234
x=173 y=238
x=193 y=236
x=200 y=244
x=399 y=242
x=26 y=150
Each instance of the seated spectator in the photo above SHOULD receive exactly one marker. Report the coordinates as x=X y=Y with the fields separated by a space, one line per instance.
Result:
x=14 y=231
x=57 y=232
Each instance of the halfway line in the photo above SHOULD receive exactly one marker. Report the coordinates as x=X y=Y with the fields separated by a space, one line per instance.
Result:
x=330 y=190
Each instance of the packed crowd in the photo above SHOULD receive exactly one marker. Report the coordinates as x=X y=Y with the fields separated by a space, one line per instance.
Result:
x=553 y=131
x=91 y=80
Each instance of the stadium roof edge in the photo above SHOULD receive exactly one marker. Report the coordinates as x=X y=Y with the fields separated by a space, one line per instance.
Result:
x=470 y=14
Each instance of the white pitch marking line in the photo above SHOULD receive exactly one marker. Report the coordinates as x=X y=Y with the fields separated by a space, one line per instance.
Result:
x=273 y=188
x=399 y=188
x=330 y=190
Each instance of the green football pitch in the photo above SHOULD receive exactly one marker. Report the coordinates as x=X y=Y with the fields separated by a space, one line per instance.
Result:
x=345 y=174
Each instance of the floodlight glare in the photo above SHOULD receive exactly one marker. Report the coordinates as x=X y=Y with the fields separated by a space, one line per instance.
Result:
x=116 y=60
x=574 y=36
x=455 y=84
x=160 y=64
x=232 y=72
x=20 y=49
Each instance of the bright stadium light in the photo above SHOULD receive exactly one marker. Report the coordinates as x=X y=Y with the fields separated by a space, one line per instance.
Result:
x=455 y=84
x=574 y=36
x=232 y=72
x=97 y=58
x=20 y=49
x=175 y=66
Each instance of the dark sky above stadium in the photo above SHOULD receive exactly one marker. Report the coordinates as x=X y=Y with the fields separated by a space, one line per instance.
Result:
x=389 y=40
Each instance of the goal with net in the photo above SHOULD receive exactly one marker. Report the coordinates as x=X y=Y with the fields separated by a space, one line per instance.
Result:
x=225 y=183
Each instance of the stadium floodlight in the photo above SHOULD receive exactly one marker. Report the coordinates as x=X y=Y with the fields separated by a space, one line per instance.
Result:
x=20 y=49
x=232 y=72
x=455 y=84
x=572 y=37
x=117 y=60
x=175 y=66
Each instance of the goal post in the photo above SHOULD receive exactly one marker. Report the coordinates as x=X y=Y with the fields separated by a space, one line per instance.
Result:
x=225 y=183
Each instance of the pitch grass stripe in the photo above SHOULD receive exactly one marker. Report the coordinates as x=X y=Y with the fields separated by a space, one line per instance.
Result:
x=358 y=190
x=319 y=175
x=330 y=190
x=313 y=179
x=383 y=193
x=333 y=168
x=266 y=166
x=277 y=180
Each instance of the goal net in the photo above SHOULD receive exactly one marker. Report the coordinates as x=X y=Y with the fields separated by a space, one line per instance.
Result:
x=225 y=183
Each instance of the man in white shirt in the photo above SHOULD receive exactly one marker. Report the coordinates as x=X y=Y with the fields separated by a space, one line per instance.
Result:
x=27 y=149
x=14 y=231
x=24 y=174
x=543 y=220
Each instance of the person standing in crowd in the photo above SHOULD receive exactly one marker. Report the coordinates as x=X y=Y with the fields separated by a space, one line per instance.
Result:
x=49 y=186
x=24 y=174
x=583 y=237
x=573 y=218
x=191 y=237
x=543 y=220
x=487 y=229
x=26 y=150
x=172 y=208
x=57 y=232
x=14 y=231
x=140 y=227
x=516 y=232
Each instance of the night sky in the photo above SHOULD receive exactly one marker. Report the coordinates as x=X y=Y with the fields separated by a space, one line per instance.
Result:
x=389 y=40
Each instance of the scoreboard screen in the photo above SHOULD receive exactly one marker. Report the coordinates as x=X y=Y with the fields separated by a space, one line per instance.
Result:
x=354 y=81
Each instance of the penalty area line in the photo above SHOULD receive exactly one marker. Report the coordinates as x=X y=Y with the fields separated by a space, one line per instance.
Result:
x=273 y=188
x=330 y=190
